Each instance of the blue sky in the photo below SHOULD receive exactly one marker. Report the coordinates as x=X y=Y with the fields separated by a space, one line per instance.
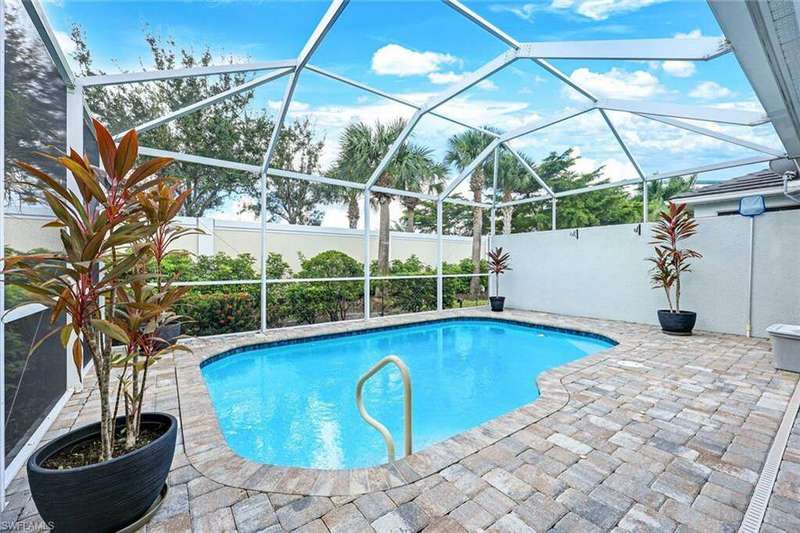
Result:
x=415 y=49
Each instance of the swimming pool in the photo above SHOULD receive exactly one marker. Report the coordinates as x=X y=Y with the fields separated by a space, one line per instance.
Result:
x=293 y=403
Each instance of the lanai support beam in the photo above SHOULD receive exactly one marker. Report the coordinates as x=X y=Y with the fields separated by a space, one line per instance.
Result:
x=38 y=17
x=191 y=72
x=202 y=104
x=395 y=98
x=633 y=162
x=714 y=134
x=737 y=117
x=334 y=10
x=482 y=73
x=439 y=257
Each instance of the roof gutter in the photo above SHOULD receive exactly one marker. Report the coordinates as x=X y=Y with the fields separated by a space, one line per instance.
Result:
x=736 y=195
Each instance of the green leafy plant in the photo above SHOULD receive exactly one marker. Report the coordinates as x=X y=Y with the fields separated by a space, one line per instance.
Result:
x=220 y=312
x=499 y=263
x=411 y=295
x=307 y=300
x=118 y=221
x=674 y=225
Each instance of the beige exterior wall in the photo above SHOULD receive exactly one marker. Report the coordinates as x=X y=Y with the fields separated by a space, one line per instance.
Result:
x=24 y=232
x=291 y=241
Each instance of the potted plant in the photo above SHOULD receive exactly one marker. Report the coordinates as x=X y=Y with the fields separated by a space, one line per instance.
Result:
x=499 y=263
x=674 y=225
x=116 y=229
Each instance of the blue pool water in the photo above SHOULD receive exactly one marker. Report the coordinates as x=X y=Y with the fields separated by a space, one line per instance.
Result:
x=294 y=404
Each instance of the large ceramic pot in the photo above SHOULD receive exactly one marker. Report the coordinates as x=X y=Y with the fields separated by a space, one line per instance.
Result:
x=681 y=323
x=170 y=332
x=107 y=496
x=497 y=302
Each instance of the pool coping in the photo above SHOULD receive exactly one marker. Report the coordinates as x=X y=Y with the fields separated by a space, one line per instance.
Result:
x=208 y=451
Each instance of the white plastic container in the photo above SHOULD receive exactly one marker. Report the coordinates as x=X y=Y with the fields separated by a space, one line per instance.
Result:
x=785 y=346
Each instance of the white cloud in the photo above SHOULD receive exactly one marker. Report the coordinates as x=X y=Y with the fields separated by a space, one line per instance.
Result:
x=592 y=9
x=295 y=106
x=616 y=83
x=66 y=42
x=679 y=69
x=447 y=78
x=523 y=11
x=444 y=78
x=694 y=34
x=397 y=60
x=710 y=90
x=602 y=9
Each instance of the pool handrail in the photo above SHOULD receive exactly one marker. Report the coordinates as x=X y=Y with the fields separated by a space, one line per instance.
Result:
x=387 y=436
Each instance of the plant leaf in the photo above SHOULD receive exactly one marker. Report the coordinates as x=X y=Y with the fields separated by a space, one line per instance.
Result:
x=112 y=330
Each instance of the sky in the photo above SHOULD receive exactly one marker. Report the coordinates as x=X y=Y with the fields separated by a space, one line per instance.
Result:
x=416 y=49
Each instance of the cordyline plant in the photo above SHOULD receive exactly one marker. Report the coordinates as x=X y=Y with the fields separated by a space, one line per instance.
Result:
x=675 y=224
x=499 y=263
x=113 y=230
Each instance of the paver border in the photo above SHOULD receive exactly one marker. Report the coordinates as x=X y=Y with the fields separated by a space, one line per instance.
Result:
x=208 y=451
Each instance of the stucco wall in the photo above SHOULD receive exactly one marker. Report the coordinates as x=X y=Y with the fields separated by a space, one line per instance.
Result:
x=603 y=274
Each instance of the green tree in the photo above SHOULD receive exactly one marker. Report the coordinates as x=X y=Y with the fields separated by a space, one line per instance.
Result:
x=335 y=299
x=456 y=218
x=362 y=148
x=659 y=192
x=512 y=178
x=295 y=201
x=607 y=206
x=418 y=172
x=462 y=149
x=232 y=129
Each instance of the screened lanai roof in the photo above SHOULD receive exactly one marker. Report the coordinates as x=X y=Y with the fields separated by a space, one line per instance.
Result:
x=626 y=121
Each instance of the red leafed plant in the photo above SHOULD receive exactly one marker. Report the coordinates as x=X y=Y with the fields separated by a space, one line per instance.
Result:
x=114 y=228
x=675 y=224
x=499 y=263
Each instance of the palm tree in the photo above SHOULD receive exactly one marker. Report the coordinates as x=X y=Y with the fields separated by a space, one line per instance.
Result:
x=661 y=191
x=362 y=148
x=418 y=172
x=512 y=177
x=462 y=149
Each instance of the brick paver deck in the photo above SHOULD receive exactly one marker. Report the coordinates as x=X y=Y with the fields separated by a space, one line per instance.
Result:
x=657 y=434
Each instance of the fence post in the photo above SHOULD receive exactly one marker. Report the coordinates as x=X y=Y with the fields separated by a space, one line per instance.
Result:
x=367 y=268
x=439 y=257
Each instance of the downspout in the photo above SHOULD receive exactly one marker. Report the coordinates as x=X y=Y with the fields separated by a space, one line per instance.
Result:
x=749 y=327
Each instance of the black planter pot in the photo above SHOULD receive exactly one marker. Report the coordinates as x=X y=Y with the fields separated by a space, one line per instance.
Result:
x=681 y=323
x=170 y=332
x=107 y=496
x=497 y=302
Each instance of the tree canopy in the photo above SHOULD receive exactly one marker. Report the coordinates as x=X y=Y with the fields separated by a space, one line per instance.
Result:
x=232 y=129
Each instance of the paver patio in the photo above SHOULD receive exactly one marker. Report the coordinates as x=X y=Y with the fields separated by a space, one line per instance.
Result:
x=657 y=434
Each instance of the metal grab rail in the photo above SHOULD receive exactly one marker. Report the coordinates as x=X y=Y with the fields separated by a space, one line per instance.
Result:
x=387 y=437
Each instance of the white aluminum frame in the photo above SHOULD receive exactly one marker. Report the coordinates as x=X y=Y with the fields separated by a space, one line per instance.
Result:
x=192 y=72
x=703 y=49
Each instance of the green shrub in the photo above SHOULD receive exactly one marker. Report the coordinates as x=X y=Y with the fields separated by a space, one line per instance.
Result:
x=332 y=299
x=220 y=312
x=457 y=286
x=411 y=295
